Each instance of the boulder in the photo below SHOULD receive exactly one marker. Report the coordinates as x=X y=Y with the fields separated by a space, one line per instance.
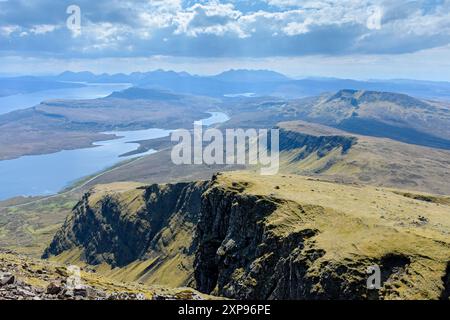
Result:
x=54 y=288
x=6 y=278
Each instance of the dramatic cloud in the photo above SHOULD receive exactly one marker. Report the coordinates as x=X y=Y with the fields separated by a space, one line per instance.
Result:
x=250 y=28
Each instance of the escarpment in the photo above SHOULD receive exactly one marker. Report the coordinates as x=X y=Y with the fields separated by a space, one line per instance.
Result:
x=311 y=151
x=309 y=143
x=246 y=236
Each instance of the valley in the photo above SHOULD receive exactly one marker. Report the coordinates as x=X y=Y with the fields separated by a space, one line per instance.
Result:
x=58 y=125
x=51 y=173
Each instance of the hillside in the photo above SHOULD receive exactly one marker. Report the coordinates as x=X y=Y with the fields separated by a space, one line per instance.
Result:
x=135 y=93
x=381 y=114
x=70 y=124
x=317 y=150
x=279 y=237
x=254 y=76
x=372 y=113
x=307 y=149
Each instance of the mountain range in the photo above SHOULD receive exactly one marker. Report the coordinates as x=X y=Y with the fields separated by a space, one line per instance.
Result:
x=229 y=83
x=258 y=82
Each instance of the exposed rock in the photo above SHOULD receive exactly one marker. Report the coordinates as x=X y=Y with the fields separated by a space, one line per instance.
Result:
x=6 y=278
x=54 y=288
x=25 y=283
x=321 y=145
x=446 y=281
x=127 y=296
x=253 y=244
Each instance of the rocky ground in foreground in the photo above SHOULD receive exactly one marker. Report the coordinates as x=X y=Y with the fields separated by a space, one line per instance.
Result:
x=23 y=278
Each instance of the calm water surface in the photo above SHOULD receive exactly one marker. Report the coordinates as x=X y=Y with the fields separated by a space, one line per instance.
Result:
x=50 y=173
x=91 y=91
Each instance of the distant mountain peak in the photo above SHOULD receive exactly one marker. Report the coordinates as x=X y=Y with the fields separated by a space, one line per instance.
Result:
x=345 y=93
x=80 y=73
x=367 y=96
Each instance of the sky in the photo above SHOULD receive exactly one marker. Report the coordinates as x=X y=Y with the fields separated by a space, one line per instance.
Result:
x=360 y=39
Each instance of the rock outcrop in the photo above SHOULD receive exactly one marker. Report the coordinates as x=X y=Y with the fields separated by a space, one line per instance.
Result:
x=319 y=144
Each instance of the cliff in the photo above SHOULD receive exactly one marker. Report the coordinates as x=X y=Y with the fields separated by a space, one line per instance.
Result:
x=147 y=231
x=245 y=236
x=321 y=145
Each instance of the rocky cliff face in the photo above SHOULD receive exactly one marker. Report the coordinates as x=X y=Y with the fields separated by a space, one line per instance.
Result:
x=249 y=237
x=309 y=143
x=241 y=255
x=153 y=224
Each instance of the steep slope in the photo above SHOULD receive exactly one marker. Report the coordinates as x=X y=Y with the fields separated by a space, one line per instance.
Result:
x=309 y=143
x=255 y=237
x=147 y=231
x=314 y=150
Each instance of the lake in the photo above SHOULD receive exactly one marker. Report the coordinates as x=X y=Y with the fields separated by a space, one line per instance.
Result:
x=50 y=173
x=91 y=91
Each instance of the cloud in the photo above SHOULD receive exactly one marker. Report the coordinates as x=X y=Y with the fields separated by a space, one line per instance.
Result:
x=7 y=30
x=213 y=28
x=43 y=28
x=212 y=18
